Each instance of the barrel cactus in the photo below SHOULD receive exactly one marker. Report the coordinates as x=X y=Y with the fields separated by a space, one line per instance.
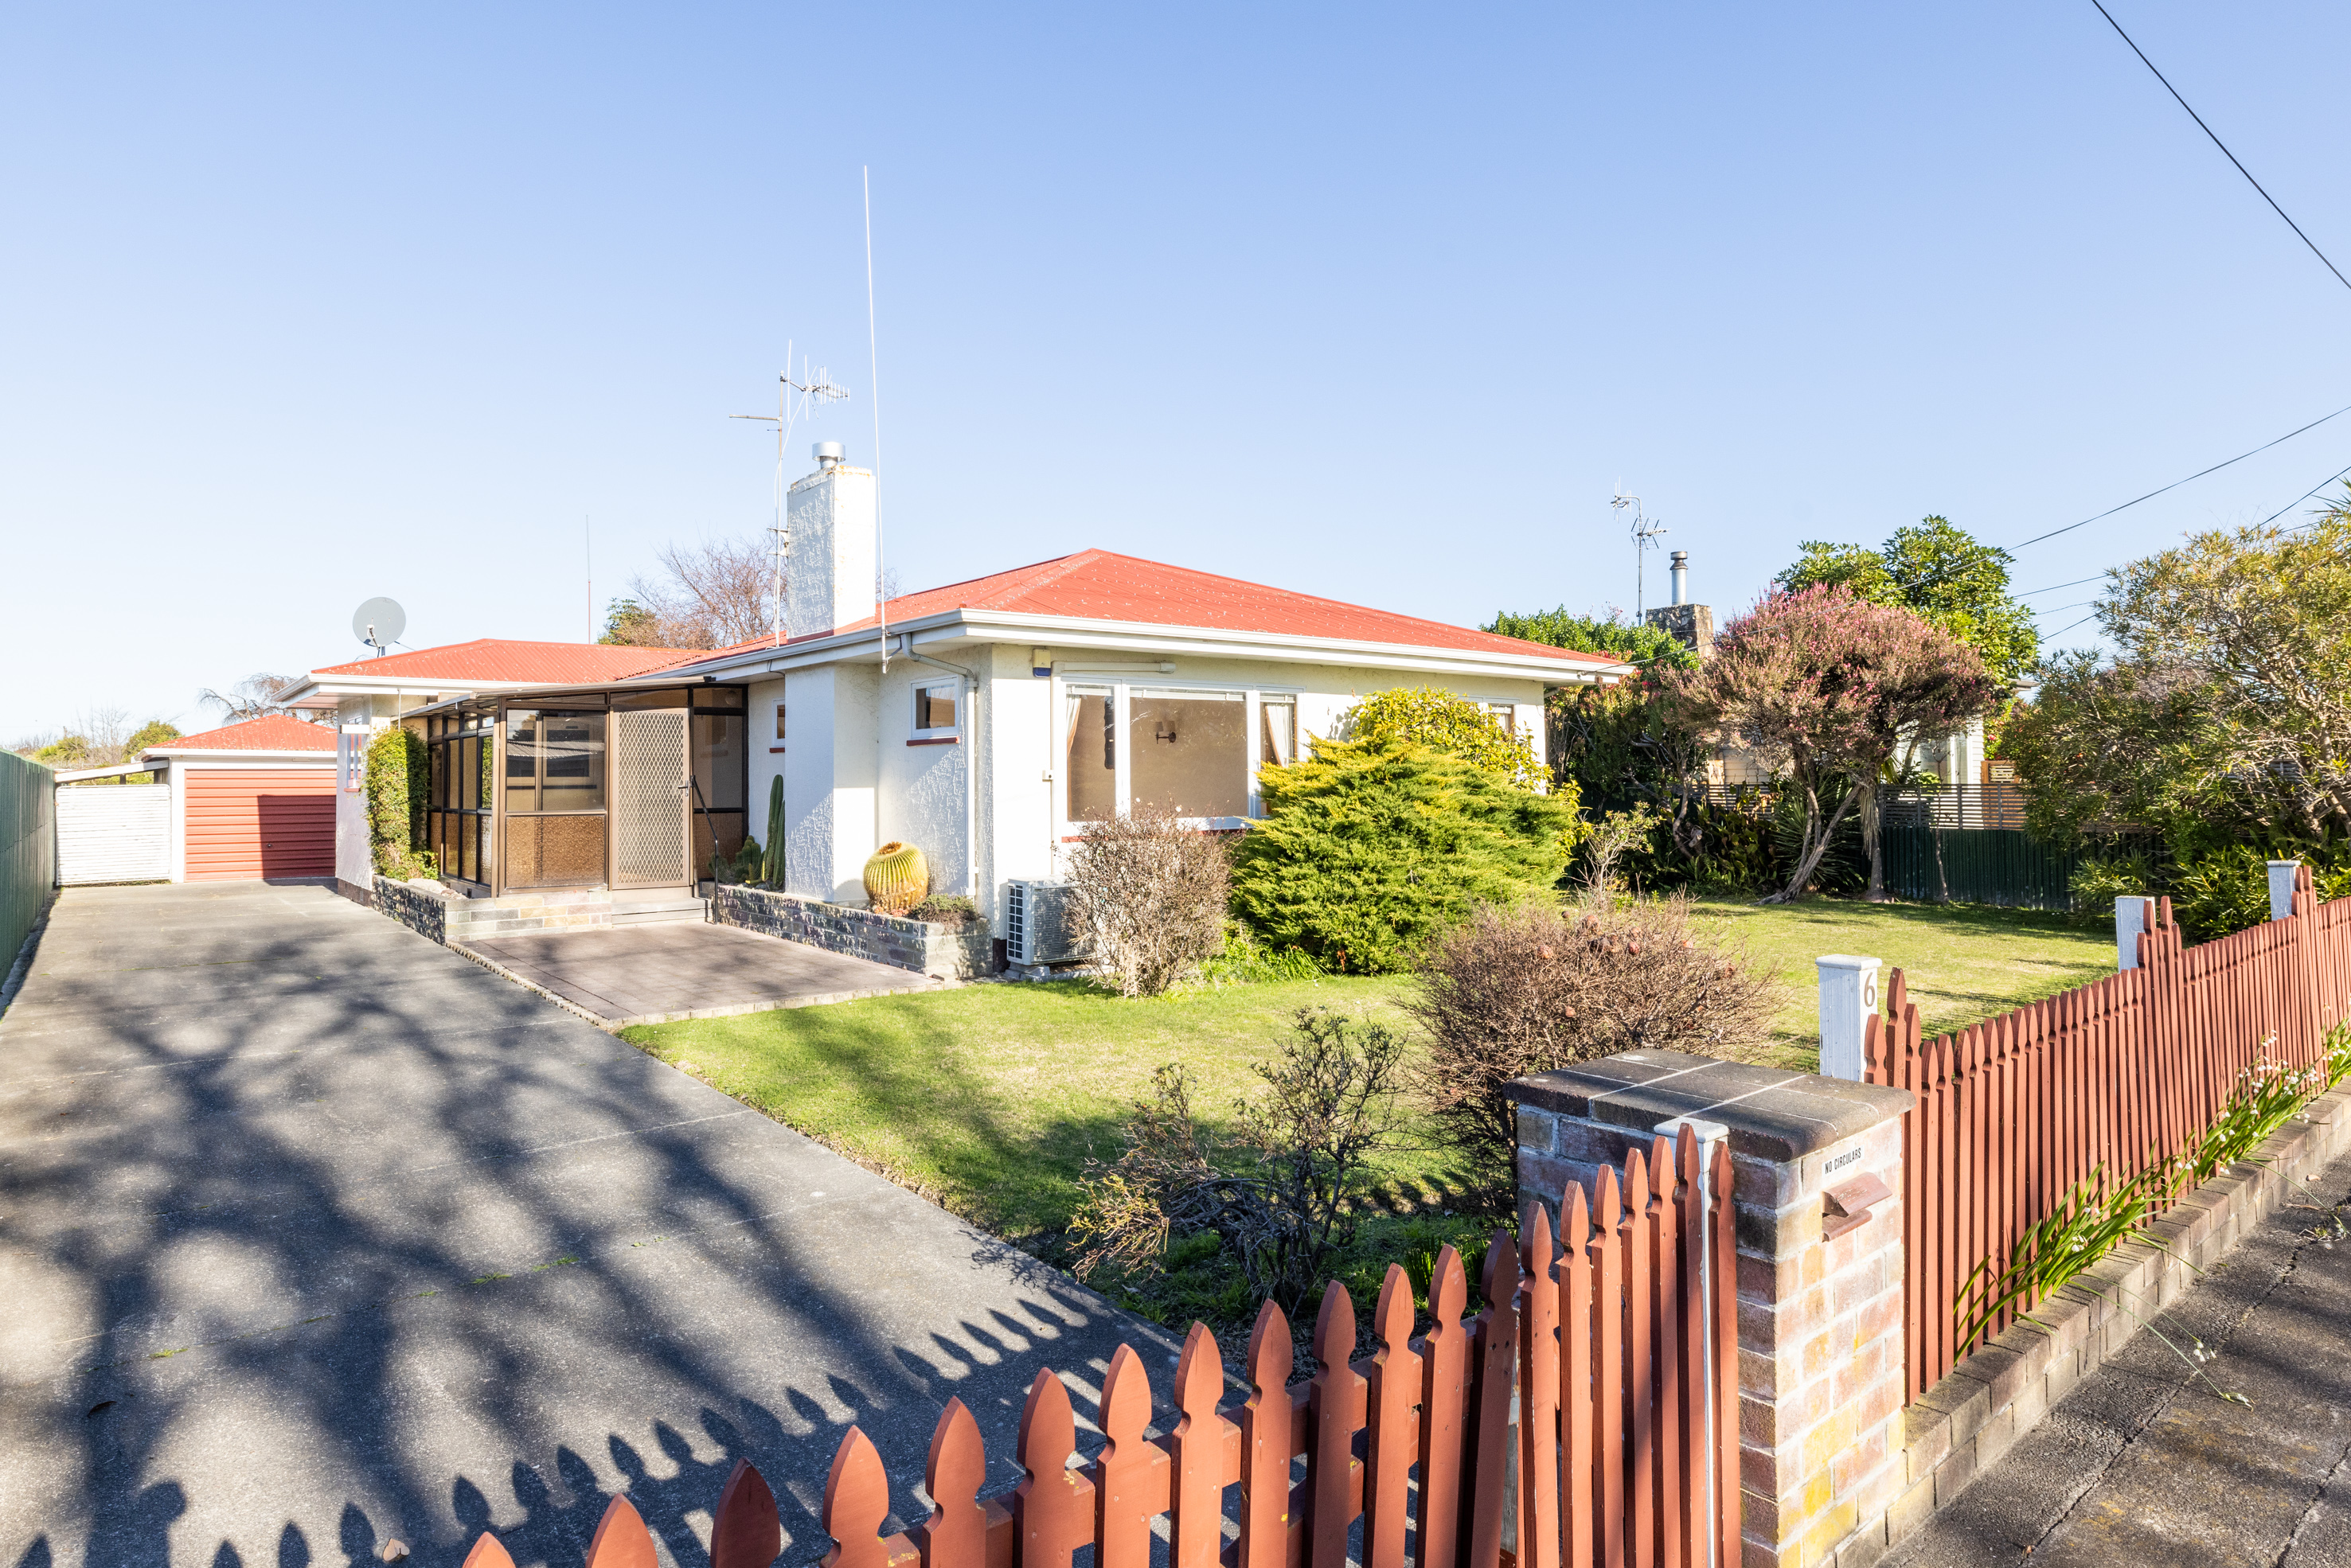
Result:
x=771 y=869
x=897 y=878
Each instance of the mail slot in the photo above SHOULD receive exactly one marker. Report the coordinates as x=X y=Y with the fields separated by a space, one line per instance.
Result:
x=1849 y=1203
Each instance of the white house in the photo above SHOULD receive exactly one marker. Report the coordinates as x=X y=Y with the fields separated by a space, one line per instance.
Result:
x=988 y=722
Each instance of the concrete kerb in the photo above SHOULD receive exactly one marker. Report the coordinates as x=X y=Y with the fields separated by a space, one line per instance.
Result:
x=1956 y=1429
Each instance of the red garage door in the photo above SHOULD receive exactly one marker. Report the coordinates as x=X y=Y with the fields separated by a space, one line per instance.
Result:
x=260 y=822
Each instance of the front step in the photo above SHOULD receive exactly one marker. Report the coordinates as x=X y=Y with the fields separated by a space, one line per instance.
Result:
x=672 y=911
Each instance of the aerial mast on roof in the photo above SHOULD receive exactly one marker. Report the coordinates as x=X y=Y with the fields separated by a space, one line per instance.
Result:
x=795 y=400
x=1645 y=539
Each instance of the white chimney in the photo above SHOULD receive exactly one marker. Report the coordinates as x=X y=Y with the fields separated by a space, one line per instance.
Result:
x=1681 y=576
x=830 y=515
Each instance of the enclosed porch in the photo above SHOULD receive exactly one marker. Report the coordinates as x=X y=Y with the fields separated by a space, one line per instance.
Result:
x=626 y=788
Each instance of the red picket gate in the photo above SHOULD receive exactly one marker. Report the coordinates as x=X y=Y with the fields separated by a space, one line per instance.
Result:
x=2121 y=1073
x=1619 y=1351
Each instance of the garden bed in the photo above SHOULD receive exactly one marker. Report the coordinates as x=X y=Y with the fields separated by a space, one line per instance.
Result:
x=955 y=952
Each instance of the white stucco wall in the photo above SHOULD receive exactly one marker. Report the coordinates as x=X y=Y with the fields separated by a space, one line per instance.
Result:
x=829 y=782
x=925 y=786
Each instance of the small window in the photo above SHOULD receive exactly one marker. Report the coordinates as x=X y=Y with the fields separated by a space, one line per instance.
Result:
x=779 y=724
x=934 y=709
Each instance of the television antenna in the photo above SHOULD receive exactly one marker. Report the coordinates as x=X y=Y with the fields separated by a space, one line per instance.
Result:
x=379 y=624
x=1646 y=530
x=795 y=400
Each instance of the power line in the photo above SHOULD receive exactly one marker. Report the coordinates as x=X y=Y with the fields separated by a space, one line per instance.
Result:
x=2055 y=586
x=2175 y=485
x=2085 y=620
x=2306 y=495
x=2223 y=146
x=2061 y=609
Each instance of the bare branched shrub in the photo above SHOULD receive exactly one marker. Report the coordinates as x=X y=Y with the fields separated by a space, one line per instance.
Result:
x=1514 y=991
x=1149 y=895
x=1284 y=1193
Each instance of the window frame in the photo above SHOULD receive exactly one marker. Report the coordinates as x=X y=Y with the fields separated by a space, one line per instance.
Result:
x=915 y=729
x=1121 y=689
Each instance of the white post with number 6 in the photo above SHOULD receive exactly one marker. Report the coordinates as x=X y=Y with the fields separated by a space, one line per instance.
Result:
x=1848 y=996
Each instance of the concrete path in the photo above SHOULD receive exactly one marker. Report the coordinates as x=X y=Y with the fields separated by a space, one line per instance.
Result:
x=2143 y=1466
x=314 y=1234
x=651 y=974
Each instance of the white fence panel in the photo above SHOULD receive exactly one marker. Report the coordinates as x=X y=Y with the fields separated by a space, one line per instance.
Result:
x=113 y=832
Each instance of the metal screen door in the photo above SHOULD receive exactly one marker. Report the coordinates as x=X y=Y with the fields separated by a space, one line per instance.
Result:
x=650 y=804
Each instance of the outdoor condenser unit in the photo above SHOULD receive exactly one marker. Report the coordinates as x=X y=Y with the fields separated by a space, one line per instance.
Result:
x=1035 y=923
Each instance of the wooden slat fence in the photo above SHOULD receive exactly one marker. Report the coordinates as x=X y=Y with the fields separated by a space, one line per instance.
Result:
x=2121 y=1073
x=1624 y=1443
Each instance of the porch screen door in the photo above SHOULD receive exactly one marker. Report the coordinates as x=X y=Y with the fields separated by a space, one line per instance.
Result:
x=651 y=809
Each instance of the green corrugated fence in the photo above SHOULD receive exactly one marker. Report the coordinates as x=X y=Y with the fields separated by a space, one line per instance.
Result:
x=29 y=848
x=1979 y=865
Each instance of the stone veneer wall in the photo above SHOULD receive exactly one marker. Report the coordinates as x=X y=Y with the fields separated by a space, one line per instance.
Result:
x=421 y=909
x=429 y=911
x=953 y=952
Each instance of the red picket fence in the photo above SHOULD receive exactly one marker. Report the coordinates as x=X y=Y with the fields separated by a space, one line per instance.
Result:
x=1622 y=1359
x=2122 y=1073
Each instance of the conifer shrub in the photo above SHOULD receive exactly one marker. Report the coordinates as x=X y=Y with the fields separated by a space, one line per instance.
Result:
x=1371 y=847
x=1514 y=990
x=396 y=779
x=1469 y=730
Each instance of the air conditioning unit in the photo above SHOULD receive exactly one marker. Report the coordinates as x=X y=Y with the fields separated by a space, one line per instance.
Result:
x=1035 y=926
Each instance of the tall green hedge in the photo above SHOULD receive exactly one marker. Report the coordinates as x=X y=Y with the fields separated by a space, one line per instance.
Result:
x=29 y=848
x=1371 y=847
x=397 y=779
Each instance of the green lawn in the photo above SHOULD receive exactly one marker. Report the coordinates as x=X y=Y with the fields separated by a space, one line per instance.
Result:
x=989 y=1099
x=1963 y=964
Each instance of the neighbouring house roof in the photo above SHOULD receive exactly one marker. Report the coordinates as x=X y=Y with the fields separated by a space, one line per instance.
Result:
x=274 y=732
x=483 y=663
x=500 y=660
x=1098 y=587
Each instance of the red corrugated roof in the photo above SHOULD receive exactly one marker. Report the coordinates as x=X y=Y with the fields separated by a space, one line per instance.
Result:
x=499 y=659
x=1097 y=585
x=274 y=732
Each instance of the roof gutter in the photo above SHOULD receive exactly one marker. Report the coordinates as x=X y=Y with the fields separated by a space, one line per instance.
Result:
x=1147 y=640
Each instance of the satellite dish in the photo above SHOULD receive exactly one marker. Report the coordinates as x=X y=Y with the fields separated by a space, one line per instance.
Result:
x=379 y=624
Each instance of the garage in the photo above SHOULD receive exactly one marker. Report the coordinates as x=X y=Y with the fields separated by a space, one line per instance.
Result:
x=253 y=800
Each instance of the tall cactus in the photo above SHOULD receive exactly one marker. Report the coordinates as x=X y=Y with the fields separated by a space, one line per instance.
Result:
x=771 y=868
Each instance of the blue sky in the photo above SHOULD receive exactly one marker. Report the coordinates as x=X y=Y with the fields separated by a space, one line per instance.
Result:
x=303 y=306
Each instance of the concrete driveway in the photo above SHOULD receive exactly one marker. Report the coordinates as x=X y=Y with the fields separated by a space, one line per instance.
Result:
x=314 y=1235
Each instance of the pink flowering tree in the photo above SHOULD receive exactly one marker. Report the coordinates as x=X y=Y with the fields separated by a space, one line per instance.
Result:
x=1830 y=686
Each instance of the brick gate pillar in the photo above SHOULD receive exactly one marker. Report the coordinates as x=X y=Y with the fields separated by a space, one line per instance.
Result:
x=1817 y=1191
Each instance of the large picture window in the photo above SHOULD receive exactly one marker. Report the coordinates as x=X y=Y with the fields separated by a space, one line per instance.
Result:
x=1192 y=754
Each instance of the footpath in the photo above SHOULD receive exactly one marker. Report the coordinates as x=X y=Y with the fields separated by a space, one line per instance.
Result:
x=2146 y=1464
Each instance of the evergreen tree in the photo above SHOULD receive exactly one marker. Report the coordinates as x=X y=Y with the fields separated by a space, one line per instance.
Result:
x=1371 y=847
x=1942 y=575
x=1647 y=646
